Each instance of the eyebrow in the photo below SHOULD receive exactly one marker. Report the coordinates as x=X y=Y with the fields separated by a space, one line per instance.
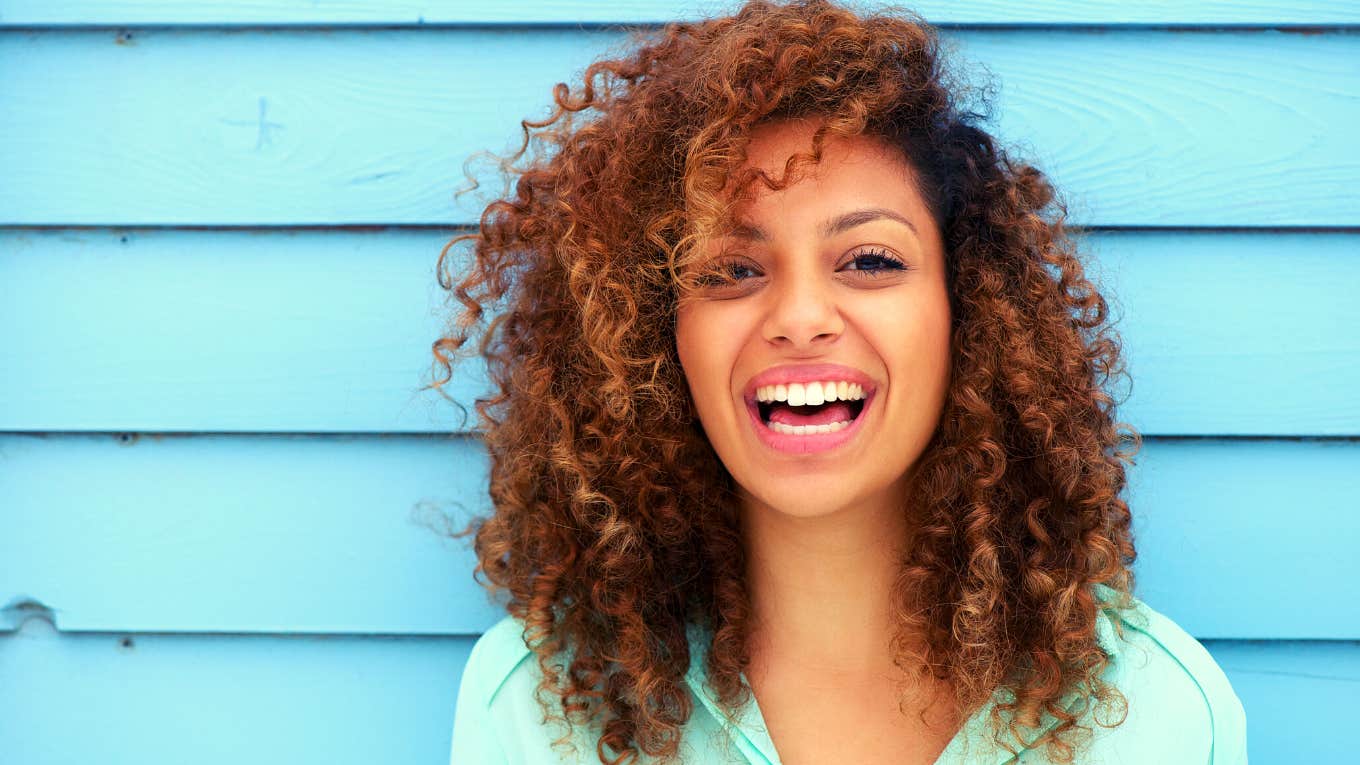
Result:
x=831 y=226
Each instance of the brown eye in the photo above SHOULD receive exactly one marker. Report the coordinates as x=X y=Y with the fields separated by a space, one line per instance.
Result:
x=875 y=263
x=724 y=273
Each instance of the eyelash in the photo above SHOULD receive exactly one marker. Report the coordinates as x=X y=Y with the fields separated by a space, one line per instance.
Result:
x=889 y=262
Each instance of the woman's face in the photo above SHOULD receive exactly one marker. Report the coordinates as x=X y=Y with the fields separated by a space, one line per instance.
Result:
x=838 y=278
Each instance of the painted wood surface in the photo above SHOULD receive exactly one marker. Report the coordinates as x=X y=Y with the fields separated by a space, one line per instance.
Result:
x=283 y=533
x=226 y=699
x=277 y=534
x=572 y=12
x=330 y=331
x=352 y=127
x=273 y=700
x=219 y=478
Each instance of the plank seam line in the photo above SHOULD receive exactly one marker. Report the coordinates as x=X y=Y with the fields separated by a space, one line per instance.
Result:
x=454 y=228
x=1289 y=27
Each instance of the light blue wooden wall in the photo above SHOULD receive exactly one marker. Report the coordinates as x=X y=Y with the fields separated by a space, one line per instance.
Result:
x=221 y=491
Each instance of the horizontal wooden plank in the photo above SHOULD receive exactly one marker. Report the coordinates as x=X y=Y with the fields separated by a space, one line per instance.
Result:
x=1236 y=333
x=224 y=331
x=225 y=700
x=216 y=12
x=251 y=127
x=339 y=535
x=1272 y=679
x=355 y=701
x=260 y=534
x=1209 y=514
x=322 y=331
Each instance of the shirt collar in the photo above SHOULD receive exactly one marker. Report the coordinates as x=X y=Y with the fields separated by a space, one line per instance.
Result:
x=747 y=728
x=971 y=745
x=974 y=745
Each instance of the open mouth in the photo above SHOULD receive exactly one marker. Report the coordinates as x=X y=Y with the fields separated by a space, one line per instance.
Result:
x=809 y=419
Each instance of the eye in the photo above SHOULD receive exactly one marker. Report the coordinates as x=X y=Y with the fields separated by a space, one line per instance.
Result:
x=724 y=272
x=875 y=263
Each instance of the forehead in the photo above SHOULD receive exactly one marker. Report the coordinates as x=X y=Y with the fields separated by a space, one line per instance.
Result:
x=772 y=143
x=854 y=172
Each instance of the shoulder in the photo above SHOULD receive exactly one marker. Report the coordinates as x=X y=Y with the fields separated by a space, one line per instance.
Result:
x=1181 y=707
x=495 y=656
x=479 y=732
x=498 y=717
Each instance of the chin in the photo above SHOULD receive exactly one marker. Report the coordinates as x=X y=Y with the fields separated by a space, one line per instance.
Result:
x=807 y=497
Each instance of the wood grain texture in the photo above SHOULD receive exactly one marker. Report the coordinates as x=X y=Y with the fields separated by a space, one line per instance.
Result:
x=1249 y=538
x=1290 y=691
x=262 y=534
x=204 y=127
x=253 y=587
x=224 y=331
x=288 y=534
x=226 y=700
x=403 y=12
x=330 y=331
x=276 y=700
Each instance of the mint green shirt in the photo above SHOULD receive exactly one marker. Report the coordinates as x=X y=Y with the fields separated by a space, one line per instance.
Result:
x=1181 y=708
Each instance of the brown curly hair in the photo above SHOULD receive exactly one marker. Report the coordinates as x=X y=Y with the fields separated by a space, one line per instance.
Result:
x=615 y=524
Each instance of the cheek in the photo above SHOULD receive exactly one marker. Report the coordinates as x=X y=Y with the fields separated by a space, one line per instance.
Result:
x=707 y=348
x=916 y=346
x=694 y=346
x=931 y=347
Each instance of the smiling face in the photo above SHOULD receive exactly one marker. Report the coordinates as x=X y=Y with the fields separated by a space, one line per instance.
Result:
x=838 y=278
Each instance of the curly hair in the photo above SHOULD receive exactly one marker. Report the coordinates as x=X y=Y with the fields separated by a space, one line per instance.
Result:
x=615 y=524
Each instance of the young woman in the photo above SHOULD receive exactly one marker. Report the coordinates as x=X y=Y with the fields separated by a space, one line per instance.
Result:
x=801 y=450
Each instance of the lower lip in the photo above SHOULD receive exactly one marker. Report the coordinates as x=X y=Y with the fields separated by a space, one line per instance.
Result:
x=808 y=444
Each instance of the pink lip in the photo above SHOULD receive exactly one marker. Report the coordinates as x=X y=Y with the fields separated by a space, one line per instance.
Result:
x=819 y=442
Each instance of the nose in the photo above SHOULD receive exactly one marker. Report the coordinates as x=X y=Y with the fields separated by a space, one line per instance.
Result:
x=802 y=312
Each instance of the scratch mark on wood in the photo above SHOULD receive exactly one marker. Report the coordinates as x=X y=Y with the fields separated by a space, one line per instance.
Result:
x=374 y=177
x=23 y=608
x=261 y=123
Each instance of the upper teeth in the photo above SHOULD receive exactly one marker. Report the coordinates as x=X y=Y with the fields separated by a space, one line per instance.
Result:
x=813 y=393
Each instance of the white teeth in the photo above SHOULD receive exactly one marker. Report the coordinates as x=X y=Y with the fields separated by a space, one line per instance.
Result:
x=813 y=393
x=808 y=430
x=813 y=396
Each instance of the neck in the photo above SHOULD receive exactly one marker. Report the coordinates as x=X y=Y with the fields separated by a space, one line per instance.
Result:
x=820 y=587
